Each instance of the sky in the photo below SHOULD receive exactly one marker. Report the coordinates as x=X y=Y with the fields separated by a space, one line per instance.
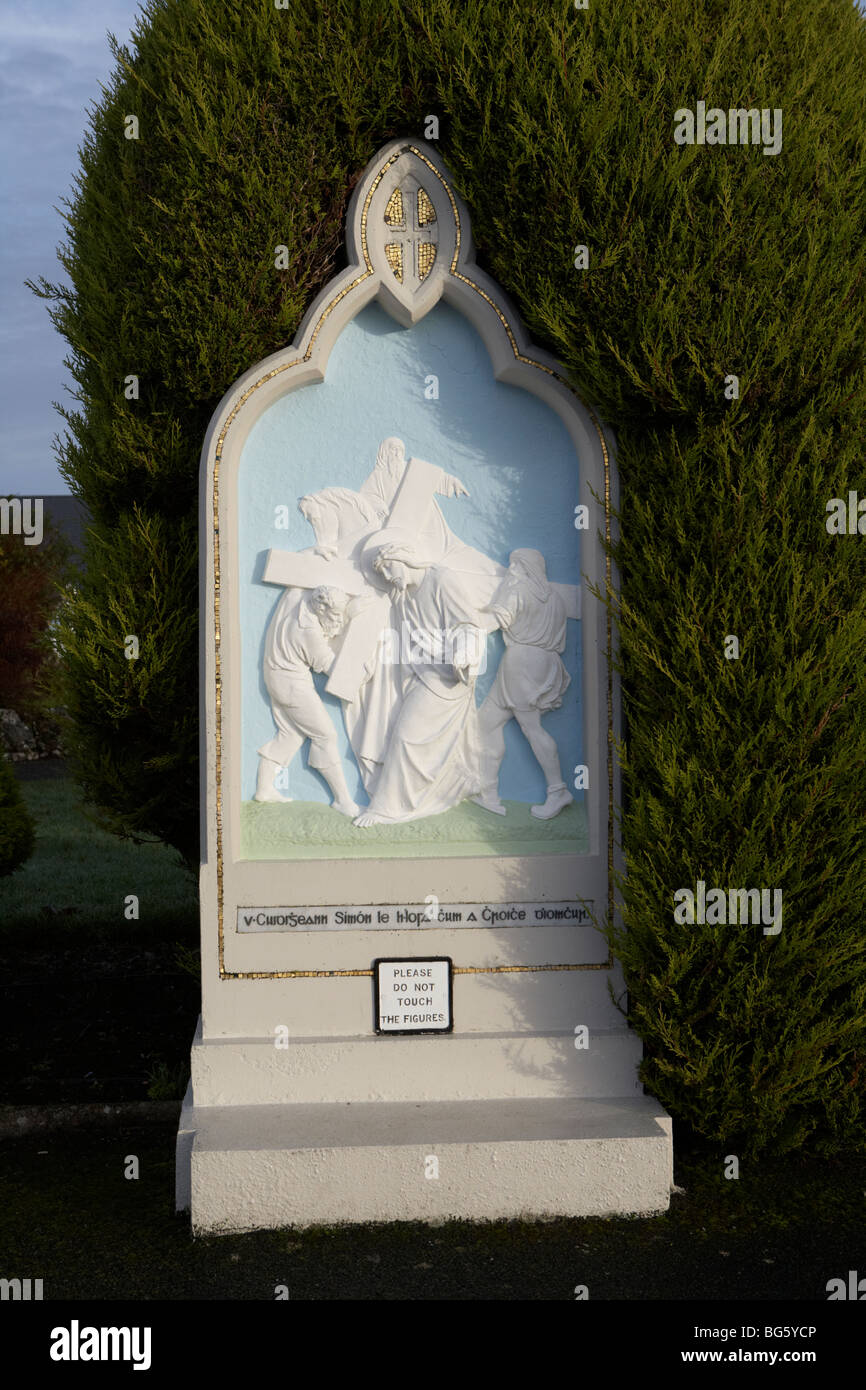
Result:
x=53 y=56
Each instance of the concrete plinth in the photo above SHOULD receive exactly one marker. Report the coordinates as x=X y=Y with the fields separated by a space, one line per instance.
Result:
x=247 y=1166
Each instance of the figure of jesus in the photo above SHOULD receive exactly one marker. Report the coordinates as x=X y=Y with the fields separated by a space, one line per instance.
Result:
x=531 y=679
x=432 y=760
x=298 y=642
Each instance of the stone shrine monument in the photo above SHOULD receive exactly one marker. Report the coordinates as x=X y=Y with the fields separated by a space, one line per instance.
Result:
x=408 y=774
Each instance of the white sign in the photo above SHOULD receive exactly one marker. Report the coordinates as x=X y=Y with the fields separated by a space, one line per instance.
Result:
x=430 y=913
x=413 y=996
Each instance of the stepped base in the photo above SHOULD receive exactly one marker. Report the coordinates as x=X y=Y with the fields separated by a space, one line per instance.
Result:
x=466 y=1066
x=252 y=1167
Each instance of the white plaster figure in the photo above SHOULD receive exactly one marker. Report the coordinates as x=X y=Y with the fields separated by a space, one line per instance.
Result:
x=397 y=501
x=338 y=515
x=341 y=517
x=419 y=740
x=299 y=642
x=531 y=679
x=432 y=759
x=390 y=470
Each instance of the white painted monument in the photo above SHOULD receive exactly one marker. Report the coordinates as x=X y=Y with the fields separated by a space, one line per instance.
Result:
x=408 y=787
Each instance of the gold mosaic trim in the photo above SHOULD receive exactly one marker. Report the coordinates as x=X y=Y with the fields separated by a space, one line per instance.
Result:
x=394 y=257
x=394 y=209
x=286 y=366
x=455 y=970
x=426 y=257
x=426 y=210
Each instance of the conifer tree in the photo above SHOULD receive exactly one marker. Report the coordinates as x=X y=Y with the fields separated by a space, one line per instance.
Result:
x=705 y=263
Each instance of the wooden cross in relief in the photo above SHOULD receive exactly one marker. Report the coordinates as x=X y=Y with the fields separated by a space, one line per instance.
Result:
x=412 y=503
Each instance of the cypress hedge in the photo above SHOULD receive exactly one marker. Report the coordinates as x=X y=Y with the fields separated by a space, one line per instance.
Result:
x=705 y=261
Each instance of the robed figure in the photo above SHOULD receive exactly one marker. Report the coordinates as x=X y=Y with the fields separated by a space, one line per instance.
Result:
x=432 y=758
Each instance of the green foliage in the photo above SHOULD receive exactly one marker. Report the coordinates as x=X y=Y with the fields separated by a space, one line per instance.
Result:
x=558 y=127
x=32 y=583
x=17 y=831
x=167 y=1081
x=188 y=959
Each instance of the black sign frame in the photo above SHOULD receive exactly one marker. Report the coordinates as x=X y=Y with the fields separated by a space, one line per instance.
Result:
x=411 y=1032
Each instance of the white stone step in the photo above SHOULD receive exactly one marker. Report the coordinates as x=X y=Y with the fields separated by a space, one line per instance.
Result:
x=257 y=1167
x=484 y=1002
x=450 y=1067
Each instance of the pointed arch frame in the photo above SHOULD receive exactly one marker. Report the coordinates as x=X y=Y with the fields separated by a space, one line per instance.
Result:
x=516 y=361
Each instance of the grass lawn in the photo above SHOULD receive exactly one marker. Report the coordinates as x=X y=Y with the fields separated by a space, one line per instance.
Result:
x=81 y=875
x=96 y=1007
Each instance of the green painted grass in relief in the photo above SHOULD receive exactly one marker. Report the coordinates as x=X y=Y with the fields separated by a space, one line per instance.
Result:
x=310 y=830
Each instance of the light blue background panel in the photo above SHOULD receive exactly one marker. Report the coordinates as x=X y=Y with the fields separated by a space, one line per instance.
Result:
x=512 y=452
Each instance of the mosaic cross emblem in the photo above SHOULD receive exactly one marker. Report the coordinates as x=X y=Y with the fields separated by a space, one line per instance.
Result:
x=411 y=220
